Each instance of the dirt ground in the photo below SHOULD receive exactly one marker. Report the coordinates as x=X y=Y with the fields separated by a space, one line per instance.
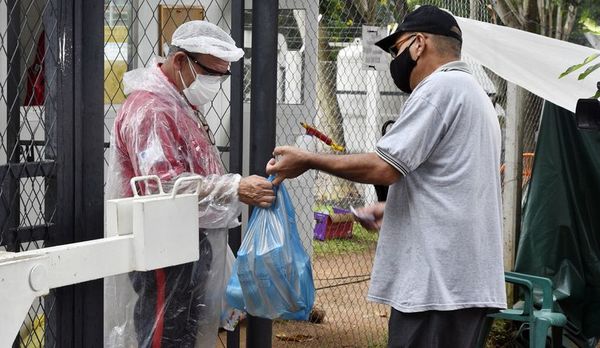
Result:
x=350 y=321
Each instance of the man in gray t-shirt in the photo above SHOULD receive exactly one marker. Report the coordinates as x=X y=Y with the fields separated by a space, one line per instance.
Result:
x=439 y=256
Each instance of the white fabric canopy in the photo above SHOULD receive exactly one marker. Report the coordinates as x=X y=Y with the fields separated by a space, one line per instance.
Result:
x=531 y=61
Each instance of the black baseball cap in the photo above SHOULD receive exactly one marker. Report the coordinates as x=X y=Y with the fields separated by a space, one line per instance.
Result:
x=425 y=19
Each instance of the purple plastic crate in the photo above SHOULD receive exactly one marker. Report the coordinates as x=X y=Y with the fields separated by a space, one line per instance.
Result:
x=326 y=229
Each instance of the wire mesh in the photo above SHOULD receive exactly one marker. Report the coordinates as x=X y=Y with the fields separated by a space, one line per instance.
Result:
x=27 y=150
x=351 y=105
x=134 y=36
x=320 y=81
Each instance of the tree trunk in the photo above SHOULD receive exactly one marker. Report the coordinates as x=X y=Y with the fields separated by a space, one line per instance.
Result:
x=330 y=189
x=569 y=22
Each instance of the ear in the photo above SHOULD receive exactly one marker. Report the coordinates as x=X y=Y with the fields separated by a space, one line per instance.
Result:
x=420 y=45
x=179 y=59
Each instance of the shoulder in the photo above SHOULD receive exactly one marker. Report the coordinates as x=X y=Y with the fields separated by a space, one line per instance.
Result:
x=143 y=109
x=143 y=99
x=450 y=82
x=443 y=87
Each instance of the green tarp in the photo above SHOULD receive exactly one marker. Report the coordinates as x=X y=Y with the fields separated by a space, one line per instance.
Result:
x=560 y=231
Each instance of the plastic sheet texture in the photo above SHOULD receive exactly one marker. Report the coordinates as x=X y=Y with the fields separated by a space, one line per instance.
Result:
x=207 y=38
x=531 y=61
x=272 y=275
x=560 y=236
x=157 y=133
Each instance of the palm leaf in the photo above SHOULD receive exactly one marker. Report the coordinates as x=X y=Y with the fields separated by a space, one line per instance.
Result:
x=588 y=71
x=579 y=66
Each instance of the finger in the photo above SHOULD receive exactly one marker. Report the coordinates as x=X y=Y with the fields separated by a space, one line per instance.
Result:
x=268 y=195
x=278 y=180
x=277 y=151
x=271 y=168
x=267 y=186
x=264 y=204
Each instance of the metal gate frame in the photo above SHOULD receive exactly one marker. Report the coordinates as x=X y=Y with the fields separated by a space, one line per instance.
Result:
x=73 y=172
x=80 y=177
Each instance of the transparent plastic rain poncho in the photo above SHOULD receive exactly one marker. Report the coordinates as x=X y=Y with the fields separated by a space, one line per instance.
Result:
x=157 y=132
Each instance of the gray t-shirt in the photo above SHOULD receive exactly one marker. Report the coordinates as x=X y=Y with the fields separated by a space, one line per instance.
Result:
x=440 y=246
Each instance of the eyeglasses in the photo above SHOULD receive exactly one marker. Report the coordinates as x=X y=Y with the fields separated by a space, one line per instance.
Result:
x=395 y=48
x=208 y=71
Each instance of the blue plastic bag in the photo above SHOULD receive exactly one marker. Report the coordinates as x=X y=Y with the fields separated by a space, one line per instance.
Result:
x=272 y=275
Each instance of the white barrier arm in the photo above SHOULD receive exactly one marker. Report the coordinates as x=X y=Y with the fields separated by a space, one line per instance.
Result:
x=144 y=233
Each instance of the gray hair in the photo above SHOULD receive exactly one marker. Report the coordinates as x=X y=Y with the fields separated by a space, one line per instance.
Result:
x=447 y=46
x=174 y=49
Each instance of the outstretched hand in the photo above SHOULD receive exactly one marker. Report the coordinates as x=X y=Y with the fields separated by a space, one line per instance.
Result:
x=370 y=217
x=287 y=162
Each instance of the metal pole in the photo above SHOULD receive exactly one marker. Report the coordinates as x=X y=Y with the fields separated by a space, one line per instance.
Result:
x=237 y=106
x=9 y=216
x=263 y=111
x=60 y=320
x=236 y=129
x=88 y=151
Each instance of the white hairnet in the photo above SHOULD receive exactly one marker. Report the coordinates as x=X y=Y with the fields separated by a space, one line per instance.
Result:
x=207 y=38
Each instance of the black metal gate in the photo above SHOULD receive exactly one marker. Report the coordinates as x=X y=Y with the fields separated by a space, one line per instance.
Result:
x=51 y=152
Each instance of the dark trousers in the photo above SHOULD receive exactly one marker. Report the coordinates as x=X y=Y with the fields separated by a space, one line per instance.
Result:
x=461 y=328
x=171 y=302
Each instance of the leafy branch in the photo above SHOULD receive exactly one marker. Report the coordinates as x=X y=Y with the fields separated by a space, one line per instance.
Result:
x=587 y=71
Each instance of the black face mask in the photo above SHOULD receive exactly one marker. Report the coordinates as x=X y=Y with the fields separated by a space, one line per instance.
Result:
x=401 y=67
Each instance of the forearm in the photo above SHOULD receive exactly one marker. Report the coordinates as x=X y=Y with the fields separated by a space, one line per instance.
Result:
x=218 y=203
x=367 y=168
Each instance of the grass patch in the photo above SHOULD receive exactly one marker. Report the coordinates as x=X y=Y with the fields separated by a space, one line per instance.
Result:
x=502 y=334
x=361 y=240
x=379 y=343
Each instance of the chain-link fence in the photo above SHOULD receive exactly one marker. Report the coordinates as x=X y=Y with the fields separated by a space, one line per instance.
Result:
x=27 y=153
x=136 y=35
x=323 y=81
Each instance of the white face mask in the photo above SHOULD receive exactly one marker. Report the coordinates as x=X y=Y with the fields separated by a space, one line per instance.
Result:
x=203 y=90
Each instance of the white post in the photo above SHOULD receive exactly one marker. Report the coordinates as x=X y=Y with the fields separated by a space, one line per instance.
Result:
x=371 y=122
x=511 y=195
x=473 y=5
x=372 y=109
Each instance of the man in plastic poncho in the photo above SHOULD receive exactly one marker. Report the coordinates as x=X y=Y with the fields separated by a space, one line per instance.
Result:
x=161 y=130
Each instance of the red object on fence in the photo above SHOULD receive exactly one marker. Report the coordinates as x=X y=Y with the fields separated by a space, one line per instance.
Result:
x=35 y=76
x=310 y=130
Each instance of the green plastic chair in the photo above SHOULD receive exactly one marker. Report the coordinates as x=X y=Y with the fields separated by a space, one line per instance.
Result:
x=539 y=320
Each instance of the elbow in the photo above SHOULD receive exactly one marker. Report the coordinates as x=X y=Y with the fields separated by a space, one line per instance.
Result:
x=388 y=175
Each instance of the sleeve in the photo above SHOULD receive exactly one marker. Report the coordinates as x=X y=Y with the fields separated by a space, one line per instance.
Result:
x=413 y=137
x=155 y=148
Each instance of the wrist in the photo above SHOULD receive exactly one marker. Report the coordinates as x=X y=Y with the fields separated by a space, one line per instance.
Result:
x=307 y=161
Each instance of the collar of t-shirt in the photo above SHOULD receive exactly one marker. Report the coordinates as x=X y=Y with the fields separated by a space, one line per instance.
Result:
x=457 y=65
